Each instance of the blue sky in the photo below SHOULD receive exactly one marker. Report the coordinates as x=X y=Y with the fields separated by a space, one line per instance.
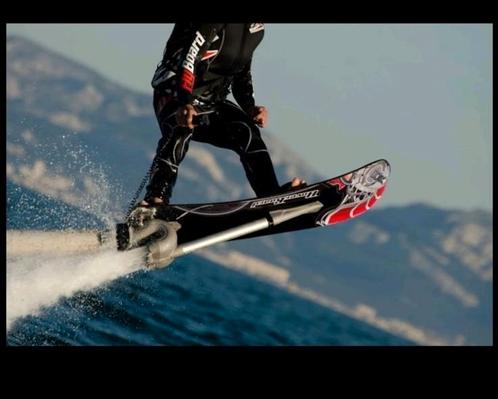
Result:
x=342 y=95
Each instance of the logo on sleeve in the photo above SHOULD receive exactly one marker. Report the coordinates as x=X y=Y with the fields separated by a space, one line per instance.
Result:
x=193 y=51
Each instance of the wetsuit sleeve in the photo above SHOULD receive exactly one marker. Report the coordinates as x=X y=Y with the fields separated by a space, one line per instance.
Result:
x=242 y=88
x=195 y=49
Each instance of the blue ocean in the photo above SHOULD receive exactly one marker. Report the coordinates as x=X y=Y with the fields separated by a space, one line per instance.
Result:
x=74 y=300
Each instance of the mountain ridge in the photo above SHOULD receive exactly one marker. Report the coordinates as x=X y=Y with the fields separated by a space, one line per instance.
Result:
x=90 y=145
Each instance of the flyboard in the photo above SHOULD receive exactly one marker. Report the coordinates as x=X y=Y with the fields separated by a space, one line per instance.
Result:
x=169 y=231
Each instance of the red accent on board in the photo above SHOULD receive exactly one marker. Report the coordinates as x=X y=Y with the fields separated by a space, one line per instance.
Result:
x=337 y=182
x=355 y=209
x=361 y=208
x=339 y=216
x=372 y=201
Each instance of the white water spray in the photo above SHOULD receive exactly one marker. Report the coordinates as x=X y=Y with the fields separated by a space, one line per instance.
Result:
x=38 y=281
x=46 y=266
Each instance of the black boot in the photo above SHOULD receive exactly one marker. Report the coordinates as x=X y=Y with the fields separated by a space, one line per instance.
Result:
x=159 y=187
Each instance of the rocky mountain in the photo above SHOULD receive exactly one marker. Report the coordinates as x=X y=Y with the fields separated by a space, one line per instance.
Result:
x=80 y=138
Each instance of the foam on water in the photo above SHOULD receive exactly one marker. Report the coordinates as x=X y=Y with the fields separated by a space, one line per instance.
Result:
x=38 y=281
x=35 y=282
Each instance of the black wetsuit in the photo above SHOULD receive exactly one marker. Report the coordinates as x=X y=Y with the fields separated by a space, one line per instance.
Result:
x=200 y=65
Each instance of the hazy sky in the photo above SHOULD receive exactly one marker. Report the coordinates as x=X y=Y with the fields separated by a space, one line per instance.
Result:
x=342 y=95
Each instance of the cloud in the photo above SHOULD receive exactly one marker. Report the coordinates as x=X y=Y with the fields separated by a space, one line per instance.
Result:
x=37 y=177
x=15 y=150
x=248 y=264
x=205 y=159
x=473 y=246
x=446 y=283
x=69 y=121
x=362 y=233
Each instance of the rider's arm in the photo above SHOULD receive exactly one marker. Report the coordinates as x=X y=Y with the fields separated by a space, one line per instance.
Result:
x=242 y=88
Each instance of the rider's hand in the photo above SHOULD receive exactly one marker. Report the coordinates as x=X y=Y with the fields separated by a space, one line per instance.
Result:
x=185 y=116
x=259 y=115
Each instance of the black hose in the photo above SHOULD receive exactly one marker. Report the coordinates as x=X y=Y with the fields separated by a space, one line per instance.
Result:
x=133 y=202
